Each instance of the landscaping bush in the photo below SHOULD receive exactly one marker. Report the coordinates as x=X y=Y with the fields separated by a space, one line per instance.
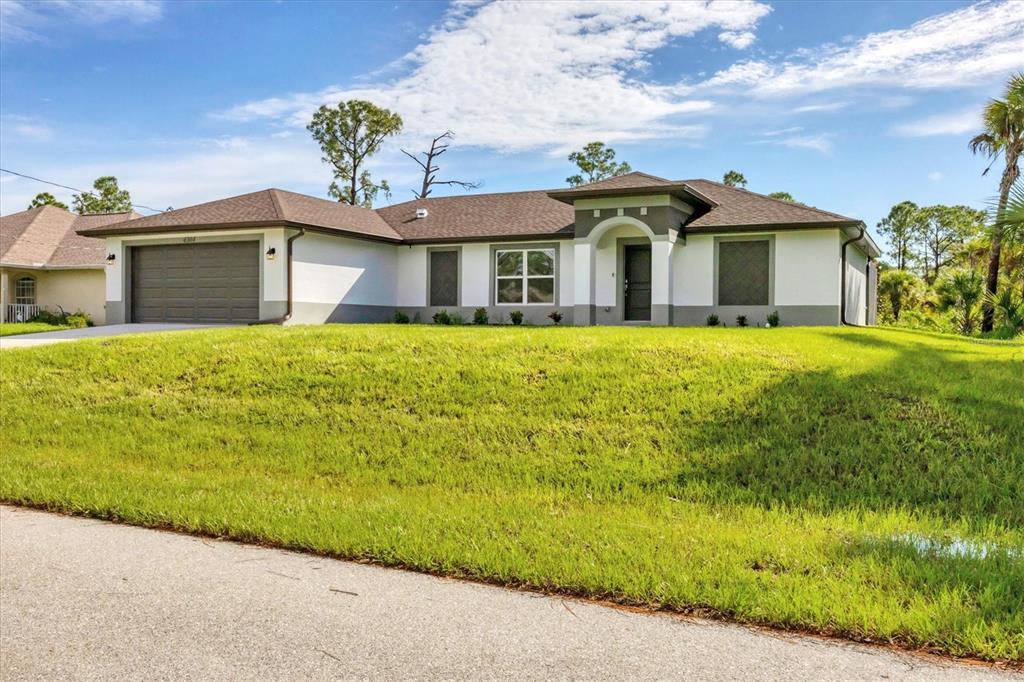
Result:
x=741 y=320
x=456 y=318
x=516 y=316
x=480 y=316
x=442 y=317
x=76 y=320
x=555 y=317
x=773 y=318
x=712 y=320
x=401 y=318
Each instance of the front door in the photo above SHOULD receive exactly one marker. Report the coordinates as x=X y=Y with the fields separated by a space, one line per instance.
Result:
x=636 y=282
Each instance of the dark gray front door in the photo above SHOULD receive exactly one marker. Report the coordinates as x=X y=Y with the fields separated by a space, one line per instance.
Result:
x=196 y=282
x=636 y=282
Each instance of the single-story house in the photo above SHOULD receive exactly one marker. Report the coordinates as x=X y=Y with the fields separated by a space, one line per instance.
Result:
x=633 y=249
x=46 y=264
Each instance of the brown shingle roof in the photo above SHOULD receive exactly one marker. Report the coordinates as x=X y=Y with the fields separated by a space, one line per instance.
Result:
x=738 y=208
x=46 y=237
x=477 y=216
x=634 y=183
x=264 y=208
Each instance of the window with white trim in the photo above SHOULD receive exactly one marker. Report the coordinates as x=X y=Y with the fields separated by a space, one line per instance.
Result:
x=524 y=276
x=25 y=291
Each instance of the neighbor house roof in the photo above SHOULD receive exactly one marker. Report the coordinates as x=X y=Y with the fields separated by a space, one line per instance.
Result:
x=47 y=237
x=269 y=207
x=505 y=215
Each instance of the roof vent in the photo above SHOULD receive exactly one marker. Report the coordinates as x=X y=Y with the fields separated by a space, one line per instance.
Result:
x=421 y=213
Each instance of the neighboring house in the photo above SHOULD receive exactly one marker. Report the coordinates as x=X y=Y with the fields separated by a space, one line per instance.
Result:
x=45 y=263
x=629 y=250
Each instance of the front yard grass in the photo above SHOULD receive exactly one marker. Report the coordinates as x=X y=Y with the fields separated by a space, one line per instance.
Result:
x=15 y=328
x=866 y=483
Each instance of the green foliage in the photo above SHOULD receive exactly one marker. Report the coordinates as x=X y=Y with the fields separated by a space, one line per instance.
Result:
x=596 y=162
x=712 y=320
x=902 y=228
x=47 y=199
x=773 y=319
x=898 y=289
x=555 y=317
x=480 y=316
x=349 y=134
x=108 y=198
x=516 y=316
x=942 y=229
x=769 y=476
x=401 y=318
x=18 y=328
x=741 y=320
x=443 y=317
x=961 y=292
x=75 y=320
x=1009 y=307
x=734 y=179
x=784 y=196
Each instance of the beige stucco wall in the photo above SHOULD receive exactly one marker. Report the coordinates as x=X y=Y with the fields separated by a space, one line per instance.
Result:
x=72 y=290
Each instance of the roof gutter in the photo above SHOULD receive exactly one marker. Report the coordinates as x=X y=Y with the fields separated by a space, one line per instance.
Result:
x=842 y=286
x=288 y=310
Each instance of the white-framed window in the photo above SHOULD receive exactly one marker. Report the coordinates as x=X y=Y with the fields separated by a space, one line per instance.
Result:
x=524 y=276
x=25 y=291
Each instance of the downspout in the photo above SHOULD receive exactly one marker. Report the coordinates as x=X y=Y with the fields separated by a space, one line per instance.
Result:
x=842 y=292
x=288 y=309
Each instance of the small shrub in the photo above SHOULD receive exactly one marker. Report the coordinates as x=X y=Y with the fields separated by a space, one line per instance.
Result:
x=741 y=320
x=712 y=320
x=773 y=318
x=516 y=316
x=456 y=318
x=401 y=318
x=555 y=317
x=442 y=317
x=480 y=316
x=76 y=320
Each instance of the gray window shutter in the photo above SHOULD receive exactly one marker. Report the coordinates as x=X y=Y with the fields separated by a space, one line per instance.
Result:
x=743 y=272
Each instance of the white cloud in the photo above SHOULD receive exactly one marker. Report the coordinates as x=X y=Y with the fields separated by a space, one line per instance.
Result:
x=822 y=142
x=25 y=128
x=741 y=40
x=822 y=106
x=950 y=123
x=518 y=76
x=935 y=176
x=959 y=48
x=29 y=21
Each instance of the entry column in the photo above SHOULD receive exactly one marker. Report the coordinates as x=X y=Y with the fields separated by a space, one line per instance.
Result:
x=583 y=283
x=661 y=277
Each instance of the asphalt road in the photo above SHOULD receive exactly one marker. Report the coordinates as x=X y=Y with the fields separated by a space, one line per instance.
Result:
x=87 y=599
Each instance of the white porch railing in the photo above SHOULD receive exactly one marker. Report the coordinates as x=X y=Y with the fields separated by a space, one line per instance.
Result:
x=21 y=312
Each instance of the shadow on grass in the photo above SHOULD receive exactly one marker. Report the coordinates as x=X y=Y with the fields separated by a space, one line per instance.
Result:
x=926 y=429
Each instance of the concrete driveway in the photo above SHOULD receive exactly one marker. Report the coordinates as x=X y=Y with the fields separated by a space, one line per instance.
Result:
x=85 y=599
x=44 y=338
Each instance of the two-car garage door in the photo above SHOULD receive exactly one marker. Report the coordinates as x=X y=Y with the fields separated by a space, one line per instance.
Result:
x=203 y=282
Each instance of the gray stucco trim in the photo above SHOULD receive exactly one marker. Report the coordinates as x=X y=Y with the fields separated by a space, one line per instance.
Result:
x=770 y=238
x=492 y=299
x=318 y=313
x=114 y=312
x=660 y=219
x=458 y=270
x=583 y=315
x=757 y=315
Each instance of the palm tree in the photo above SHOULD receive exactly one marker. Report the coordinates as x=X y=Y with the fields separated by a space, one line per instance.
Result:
x=961 y=292
x=1004 y=134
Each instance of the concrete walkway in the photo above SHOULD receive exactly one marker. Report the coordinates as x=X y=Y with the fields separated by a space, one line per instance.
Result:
x=45 y=338
x=92 y=600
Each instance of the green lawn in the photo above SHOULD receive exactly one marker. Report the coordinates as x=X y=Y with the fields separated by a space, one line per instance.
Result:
x=15 y=328
x=773 y=476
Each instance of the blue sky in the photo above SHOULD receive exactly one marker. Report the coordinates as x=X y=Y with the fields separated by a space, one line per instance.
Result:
x=848 y=106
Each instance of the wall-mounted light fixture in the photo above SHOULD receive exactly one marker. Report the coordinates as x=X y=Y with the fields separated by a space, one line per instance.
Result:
x=271 y=253
x=111 y=258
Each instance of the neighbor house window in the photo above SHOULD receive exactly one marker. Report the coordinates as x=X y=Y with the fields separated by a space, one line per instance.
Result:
x=744 y=272
x=524 y=276
x=25 y=291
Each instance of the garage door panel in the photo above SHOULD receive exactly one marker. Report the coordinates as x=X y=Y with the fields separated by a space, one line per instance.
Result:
x=196 y=282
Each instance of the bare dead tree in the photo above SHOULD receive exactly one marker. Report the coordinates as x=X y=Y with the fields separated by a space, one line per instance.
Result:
x=438 y=146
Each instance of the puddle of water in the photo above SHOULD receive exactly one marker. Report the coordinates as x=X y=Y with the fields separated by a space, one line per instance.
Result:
x=955 y=547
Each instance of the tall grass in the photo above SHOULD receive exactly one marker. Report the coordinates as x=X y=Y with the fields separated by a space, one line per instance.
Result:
x=772 y=476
